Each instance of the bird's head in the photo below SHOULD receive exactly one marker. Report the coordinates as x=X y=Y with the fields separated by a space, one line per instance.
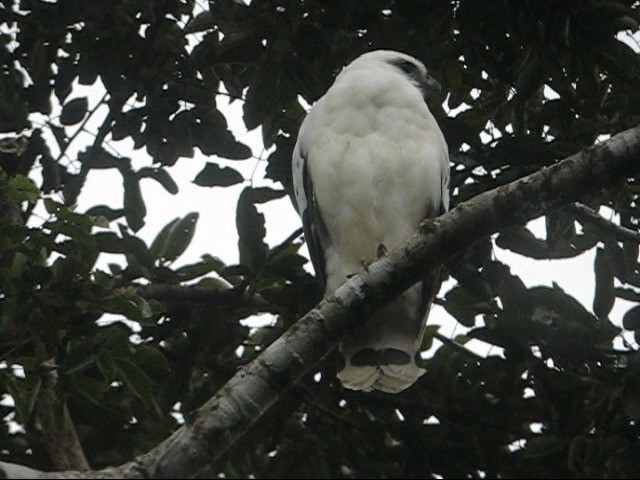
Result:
x=412 y=68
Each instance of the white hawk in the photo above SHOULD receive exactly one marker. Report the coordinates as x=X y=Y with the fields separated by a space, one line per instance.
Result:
x=369 y=165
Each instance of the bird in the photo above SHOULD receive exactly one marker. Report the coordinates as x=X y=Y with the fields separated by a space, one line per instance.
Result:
x=369 y=164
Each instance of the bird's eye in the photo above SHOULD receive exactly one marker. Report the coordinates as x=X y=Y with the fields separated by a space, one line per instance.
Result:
x=407 y=67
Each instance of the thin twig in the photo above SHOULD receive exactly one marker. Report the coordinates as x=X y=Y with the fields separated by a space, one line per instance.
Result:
x=457 y=346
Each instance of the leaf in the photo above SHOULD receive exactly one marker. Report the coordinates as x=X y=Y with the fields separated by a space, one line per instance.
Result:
x=604 y=296
x=213 y=136
x=109 y=242
x=60 y=135
x=107 y=366
x=180 y=236
x=159 y=243
x=617 y=260
x=628 y=294
x=52 y=173
x=105 y=211
x=161 y=176
x=214 y=176
x=201 y=22
x=78 y=358
x=266 y=194
x=174 y=238
x=146 y=355
x=459 y=305
x=251 y=231
x=22 y=189
x=194 y=270
x=134 y=207
x=25 y=396
x=215 y=284
x=631 y=319
x=91 y=388
x=521 y=240
x=540 y=447
x=560 y=226
x=135 y=247
x=72 y=186
x=99 y=158
x=135 y=378
x=430 y=332
x=74 y=111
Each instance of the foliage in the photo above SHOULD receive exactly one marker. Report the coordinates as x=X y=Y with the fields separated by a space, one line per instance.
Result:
x=563 y=400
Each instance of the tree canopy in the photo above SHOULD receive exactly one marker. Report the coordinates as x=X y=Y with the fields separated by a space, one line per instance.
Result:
x=525 y=84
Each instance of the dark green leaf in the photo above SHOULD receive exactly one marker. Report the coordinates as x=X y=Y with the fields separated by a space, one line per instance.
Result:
x=161 y=176
x=631 y=319
x=25 y=396
x=175 y=237
x=266 y=194
x=106 y=212
x=92 y=389
x=152 y=357
x=135 y=378
x=134 y=207
x=99 y=158
x=60 y=135
x=201 y=22
x=604 y=296
x=110 y=242
x=194 y=270
x=74 y=111
x=459 y=304
x=214 y=176
x=251 y=231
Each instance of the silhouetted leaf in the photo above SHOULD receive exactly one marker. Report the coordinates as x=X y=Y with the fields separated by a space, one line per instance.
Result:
x=74 y=111
x=631 y=319
x=251 y=231
x=134 y=206
x=604 y=296
x=161 y=176
x=214 y=176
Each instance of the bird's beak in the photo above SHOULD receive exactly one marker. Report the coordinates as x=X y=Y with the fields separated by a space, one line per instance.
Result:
x=431 y=86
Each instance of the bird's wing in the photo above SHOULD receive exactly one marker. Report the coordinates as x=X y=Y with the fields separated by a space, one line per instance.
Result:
x=431 y=281
x=315 y=231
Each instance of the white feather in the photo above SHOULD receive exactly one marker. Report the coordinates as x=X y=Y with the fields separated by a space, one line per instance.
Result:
x=379 y=165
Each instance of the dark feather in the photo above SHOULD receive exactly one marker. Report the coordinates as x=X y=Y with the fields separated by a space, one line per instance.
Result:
x=315 y=230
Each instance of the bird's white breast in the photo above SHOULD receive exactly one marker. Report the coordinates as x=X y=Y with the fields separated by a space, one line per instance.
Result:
x=376 y=160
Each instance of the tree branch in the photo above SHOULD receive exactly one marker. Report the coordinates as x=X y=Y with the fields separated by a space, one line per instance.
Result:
x=249 y=394
x=60 y=437
x=194 y=293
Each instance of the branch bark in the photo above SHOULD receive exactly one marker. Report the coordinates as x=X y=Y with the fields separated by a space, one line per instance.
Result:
x=63 y=445
x=249 y=394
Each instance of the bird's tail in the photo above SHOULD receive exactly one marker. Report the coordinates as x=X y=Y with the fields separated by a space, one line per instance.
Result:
x=381 y=354
x=389 y=370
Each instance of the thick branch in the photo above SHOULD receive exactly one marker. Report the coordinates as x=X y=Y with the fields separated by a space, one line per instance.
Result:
x=228 y=414
x=60 y=437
